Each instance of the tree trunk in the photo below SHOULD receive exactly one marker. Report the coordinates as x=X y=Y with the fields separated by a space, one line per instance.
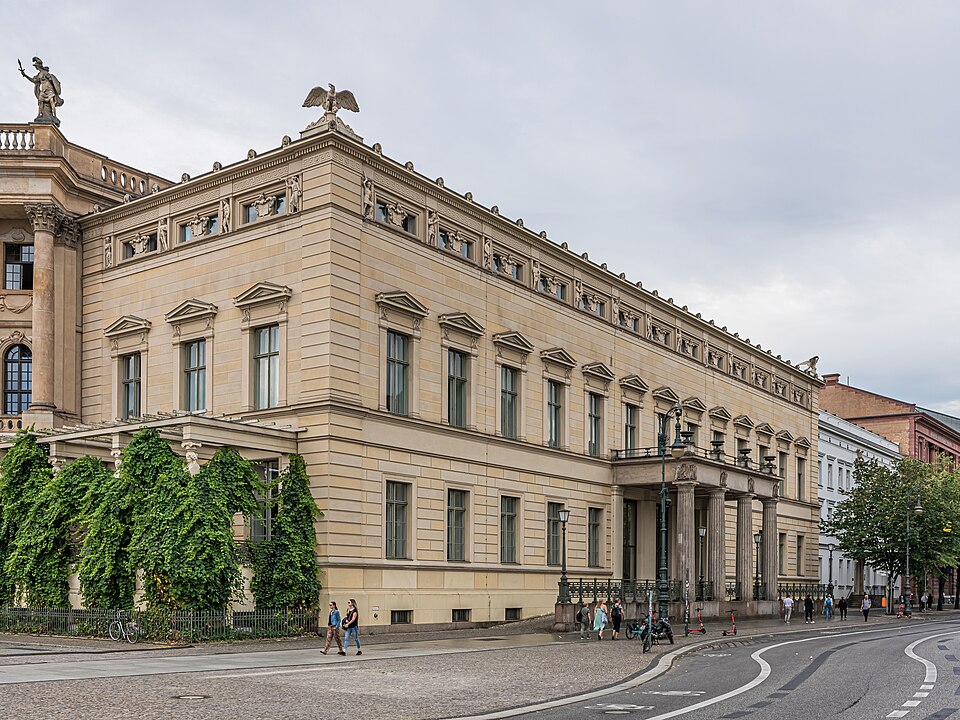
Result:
x=941 y=581
x=956 y=590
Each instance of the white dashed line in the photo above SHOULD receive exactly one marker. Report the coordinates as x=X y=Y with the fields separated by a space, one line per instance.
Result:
x=911 y=703
x=898 y=713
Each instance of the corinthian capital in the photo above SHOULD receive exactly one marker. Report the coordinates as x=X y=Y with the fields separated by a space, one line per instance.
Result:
x=45 y=216
x=69 y=234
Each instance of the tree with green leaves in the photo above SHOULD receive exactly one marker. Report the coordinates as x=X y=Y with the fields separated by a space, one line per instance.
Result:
x=24 y=471
x=286 y=574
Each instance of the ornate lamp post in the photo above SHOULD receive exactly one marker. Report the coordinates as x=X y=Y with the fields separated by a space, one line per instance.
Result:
x=564 y=596
x=918 y=511
x=677 y=449
x=702 y=532
x=757 y=539
x=831 y=547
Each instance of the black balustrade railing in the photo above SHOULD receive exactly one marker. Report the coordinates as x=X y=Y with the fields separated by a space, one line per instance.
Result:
x=817 y=591
x=587 y=590
x=731 y=592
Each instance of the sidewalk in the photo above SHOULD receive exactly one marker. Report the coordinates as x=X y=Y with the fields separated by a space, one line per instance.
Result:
x=406 y=675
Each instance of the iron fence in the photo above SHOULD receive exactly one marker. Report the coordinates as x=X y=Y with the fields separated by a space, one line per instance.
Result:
x=818 y=591
x=582 y=590
x=171 y=626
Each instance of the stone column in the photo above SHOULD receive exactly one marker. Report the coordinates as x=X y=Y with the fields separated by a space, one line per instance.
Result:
x=686 y=532
x=716 y=542
x=616 y=530
x=771 y=541
x=47 y=219
x=745 y=548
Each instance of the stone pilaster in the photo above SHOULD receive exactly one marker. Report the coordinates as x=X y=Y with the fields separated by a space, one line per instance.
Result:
x=716 y=542
x=769 y=548
x=745 y=548
x=616 y=530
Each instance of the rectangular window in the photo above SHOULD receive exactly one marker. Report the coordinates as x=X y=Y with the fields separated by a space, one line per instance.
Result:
x=18 y=267
x=17 y=380
x=801 y=478
x=186 y=233
x=398 y=372
x=456 y=524
x=630 y=417
x=509 y=410
x=266 y=367
x=250 y=213
x=595 y=423
x=460 y=615
x=261 y=523
x=401 y=617
x=782 y=465
x=849 y=483
x=512 y=614
x=800 y=557
x=554 y=413
x=195 y=375
x=819 y=473
x=694 y=431
x=553 y=287
x=782 y=555
x=130 y=385
x=553 y=533
x=830 y=476
x=396 y=520
x=382 y=212
x=594 y=520
x=762 y=452
x=508 y=529
x=457 y=388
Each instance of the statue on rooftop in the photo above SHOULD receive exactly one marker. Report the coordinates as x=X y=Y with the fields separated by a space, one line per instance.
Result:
x=331 y=100
x=47 y=90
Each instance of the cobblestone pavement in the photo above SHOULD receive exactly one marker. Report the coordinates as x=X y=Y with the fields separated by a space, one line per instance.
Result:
x=471 y=677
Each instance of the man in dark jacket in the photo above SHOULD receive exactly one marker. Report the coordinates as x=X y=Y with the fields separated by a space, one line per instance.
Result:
x=808 y=609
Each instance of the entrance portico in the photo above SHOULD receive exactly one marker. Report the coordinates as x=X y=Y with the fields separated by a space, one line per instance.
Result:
x=701 y=486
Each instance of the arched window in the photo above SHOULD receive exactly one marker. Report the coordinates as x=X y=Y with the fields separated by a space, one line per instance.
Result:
x=17 y=379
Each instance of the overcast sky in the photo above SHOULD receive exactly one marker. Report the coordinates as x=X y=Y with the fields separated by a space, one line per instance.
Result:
x=790 y=169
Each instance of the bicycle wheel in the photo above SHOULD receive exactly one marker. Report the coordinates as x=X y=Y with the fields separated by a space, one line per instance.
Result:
x=647 y=642
x=631 y=633
x=116 y=632
x=132 y=632
x=670 y=636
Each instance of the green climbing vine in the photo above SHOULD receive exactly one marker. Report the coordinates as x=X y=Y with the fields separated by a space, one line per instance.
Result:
x=286 y=574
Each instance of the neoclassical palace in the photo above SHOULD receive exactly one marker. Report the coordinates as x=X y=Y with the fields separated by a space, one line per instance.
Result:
x=453 y=379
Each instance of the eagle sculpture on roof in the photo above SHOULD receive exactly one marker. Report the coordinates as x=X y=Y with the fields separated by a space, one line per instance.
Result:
x=331 y=100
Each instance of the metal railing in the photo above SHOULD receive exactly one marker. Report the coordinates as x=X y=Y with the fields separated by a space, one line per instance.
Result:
x=817 y=591
x=163 y=625
x=582 y=590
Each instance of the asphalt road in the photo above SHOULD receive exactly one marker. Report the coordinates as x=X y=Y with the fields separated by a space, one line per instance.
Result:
x=850 y=671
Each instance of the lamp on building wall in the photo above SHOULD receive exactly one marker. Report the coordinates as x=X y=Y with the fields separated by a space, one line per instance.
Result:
x=757 y=539
x=831 y=547
x=702 y=532
x=564 y=596
x=677 y=448
x=917 y=511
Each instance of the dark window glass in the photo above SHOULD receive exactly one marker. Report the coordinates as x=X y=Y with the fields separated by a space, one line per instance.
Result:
x=17 y=379
x=18 y=267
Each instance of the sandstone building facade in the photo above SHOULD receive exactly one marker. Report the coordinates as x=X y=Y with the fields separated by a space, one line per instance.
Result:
x=453 y=379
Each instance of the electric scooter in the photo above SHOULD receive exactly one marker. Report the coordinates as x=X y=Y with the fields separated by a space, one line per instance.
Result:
x=733 y=623
x=701 y=629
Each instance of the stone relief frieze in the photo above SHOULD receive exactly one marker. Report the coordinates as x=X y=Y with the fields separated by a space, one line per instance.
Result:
x=194 y=200
x=320 y=157
x=265 y=205
x=15 y=309
x=461 y=218
x=715 y=358
x=261 y=178
x=780 y=387
x=687 y=346
x=401 y=189
x=660 y=332
x=799 y=396
x=150 y=214
x=739 y=369
x=138 y=243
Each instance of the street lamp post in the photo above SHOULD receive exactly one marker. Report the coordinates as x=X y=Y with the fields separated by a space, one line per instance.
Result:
x=702 y=532
x=564 y=596
x=677 y=449
x=831 y=547
x=757 y=539
x=918 y=511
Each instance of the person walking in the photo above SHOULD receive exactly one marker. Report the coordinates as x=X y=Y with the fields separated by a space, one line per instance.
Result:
x=865 y=607
x=842 y=608
x=333 y=630
x=808 y=609
x=787 y=609
x=599 y=619
x=616 y=617
x=351 y=626
x=583 y=616
x=828 y=607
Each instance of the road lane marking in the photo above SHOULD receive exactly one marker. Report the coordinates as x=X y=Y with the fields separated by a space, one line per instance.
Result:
x=898 y=713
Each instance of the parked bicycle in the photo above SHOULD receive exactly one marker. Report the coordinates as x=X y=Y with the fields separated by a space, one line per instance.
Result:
x=123 y=627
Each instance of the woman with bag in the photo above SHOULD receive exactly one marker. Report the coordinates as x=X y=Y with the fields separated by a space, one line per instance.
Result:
x=600 y=619
x=351 y=625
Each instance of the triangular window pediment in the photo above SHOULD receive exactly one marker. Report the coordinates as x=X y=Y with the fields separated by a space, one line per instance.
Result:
x=695 y=404
x=261 y=294
x=462 y=322
x=127 y=325
x=558 y=356
x=785 y=436
x=514 y=341
x=719 y=412
x=402 y=301
x=633 y=382
x=192 y=309
x=802 y=442
x=665 y=393
x=743 y=421
x=599 y=370
x=765 y=429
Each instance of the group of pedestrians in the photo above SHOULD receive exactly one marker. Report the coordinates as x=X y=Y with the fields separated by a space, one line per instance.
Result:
x=598 y=618
x=349 y=623
x=809 y=608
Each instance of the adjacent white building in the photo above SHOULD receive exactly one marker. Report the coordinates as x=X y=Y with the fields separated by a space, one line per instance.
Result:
x=841 y=442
